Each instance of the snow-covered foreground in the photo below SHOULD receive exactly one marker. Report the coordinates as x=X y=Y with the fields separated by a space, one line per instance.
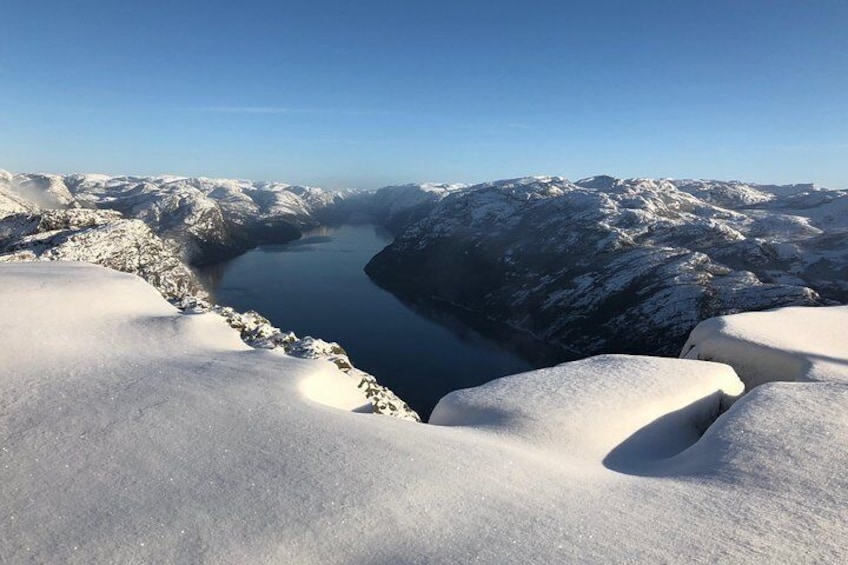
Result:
x=130 y=432
x=790 y=344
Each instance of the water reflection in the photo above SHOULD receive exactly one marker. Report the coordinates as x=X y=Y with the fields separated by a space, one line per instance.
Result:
x=480 y=331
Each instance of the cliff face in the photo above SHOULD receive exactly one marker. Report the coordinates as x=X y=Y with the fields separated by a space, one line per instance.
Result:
x=622 y=265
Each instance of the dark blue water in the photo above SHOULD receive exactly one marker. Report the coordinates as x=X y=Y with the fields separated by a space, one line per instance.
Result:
x=316 y=286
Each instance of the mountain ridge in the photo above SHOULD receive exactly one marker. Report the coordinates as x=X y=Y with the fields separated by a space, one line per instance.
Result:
x=570 y=261
x=543 y=254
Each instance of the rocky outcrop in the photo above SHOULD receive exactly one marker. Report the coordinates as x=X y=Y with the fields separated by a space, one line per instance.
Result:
x=102 y=237
x=257 y=331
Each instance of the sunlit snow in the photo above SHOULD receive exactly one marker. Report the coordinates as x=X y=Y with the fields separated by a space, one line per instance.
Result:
x=130 y=432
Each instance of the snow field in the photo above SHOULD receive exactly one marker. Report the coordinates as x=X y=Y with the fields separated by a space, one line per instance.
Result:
x=788 y=344
x=132 y=433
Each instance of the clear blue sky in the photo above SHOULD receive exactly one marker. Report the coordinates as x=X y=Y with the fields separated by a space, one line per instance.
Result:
x=365 y=93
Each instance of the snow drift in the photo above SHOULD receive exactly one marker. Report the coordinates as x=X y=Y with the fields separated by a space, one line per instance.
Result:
x=131 y=432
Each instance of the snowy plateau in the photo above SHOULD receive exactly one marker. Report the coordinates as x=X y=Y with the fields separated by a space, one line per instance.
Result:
x=141 y=423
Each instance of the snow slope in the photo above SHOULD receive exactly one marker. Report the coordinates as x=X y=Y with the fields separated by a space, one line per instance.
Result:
x=791 y=344
x=131 y=432
x=102 y=237
x=12 y=201
x=397 y=207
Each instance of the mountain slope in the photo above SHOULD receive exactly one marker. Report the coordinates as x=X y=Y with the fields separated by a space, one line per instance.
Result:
x=570 y=262
x=206 y=220
x=102 y=237
x=565 y=261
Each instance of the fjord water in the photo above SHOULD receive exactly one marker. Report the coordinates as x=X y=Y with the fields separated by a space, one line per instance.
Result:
x=316 y=286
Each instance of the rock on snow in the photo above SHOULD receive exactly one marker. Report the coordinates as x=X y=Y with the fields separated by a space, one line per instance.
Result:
x=131 y=432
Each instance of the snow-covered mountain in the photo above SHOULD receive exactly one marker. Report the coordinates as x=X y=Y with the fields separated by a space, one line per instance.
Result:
x=566 y=261
x=396 y=207
x=102 y=237
x=205 y=219
x=606 y=264
x=133 y=431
